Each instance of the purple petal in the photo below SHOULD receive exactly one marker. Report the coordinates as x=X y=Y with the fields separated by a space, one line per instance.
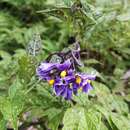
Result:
x=64 y=66
x=59 y=89
x=64 y=81
x=86 y=76
x=42 y=75
x=69 y=79
x=45 y=67
x=59 y=82
x=75 y=88
x=69 y=94
x=87 y=87
x=70 y=72
x=64 y=93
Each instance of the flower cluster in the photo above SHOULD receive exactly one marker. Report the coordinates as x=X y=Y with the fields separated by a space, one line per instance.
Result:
x=64 y=78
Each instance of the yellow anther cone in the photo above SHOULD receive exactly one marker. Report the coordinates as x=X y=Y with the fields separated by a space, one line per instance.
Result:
x=63 y=74
x=51 y=81
x=88 y=80
x=78 y=80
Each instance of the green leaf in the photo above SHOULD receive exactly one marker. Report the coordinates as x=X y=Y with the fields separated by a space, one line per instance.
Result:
x=102 y=110
x=92 y=61
x=14 y=88
x=121 y=122
x=77 y=118
x=6 y=59
x=124 y=17
x=103 y=126
x=93 y=120
x=56 y=121
x=11 y=108
x=100 y=89
x=67 y=2
x=3 y=124
x=81 y=99
x=54 y=117
x=74 y=119
x=8 y=112
x=127 y=97
x=119 y=105
x=26 y=68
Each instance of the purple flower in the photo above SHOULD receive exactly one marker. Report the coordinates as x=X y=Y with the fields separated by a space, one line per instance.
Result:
x=63 y=86
x=64 y=66
x=70 y=84
x=82 y=82
x=63 y=78
x=47 y=71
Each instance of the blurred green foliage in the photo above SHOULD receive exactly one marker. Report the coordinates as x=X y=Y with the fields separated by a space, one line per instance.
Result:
x=103 y=29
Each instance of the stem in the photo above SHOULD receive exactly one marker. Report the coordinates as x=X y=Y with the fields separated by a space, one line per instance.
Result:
x=32 y=87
